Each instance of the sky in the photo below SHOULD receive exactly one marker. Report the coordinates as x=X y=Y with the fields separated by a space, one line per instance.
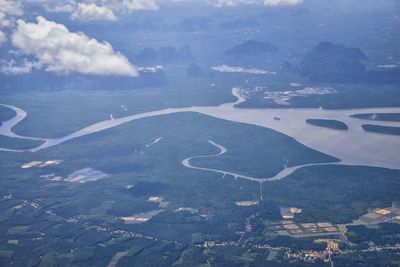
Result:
x=43 y=44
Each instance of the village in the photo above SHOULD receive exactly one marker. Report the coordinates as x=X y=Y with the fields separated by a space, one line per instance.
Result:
x=332 y=235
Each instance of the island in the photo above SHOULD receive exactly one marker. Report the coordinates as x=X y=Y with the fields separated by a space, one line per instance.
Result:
x=329 y=62
x=378 y=116
x=331 y=124
x=381 y=129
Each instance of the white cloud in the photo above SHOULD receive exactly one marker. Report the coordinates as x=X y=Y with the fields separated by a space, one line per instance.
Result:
x=93 y=12
x=4 y=22
x=60 y=50
x=100 y=6
x=2 y=38
x=222 y=3
x=67 y=7
x=8 y=9
x=12 y=68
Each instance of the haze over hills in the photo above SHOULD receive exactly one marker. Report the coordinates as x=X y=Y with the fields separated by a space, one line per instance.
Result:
x=165 y=54
x=328 y=62
x=199 y=133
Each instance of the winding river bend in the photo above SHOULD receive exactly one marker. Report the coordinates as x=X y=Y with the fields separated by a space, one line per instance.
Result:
x=222 y=150
x=352 y=147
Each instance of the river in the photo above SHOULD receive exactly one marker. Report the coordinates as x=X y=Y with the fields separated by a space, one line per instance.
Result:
x=352 y=147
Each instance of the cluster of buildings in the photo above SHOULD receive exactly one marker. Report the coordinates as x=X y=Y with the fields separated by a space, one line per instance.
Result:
x=283 y=97
x=41 y=164
x=230 y=69
x=212 y=244
x=6 y=197
x=289 y=213
x=314 y=256
x=187 y=209
x=309 y=256
x=51 y=177
x=246 y=203
x=160 y=200
x=86 y=175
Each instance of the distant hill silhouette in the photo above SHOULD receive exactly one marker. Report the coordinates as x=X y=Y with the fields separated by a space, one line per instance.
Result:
x=195 y=24
x=238 y=24
x=330 y=62
x=148 y=55
x=195 y=71
x=335 y=63
x=164 y=54
x=251 y=48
